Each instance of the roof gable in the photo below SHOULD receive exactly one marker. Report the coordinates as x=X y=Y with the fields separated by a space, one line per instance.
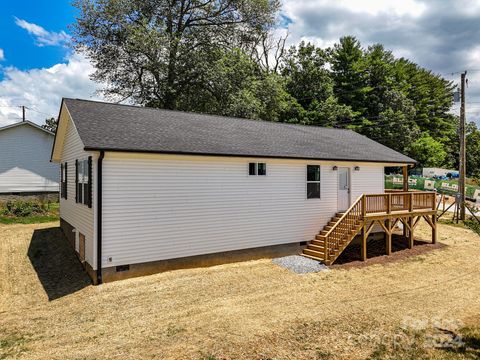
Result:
x=26 y=123
x=113 y=127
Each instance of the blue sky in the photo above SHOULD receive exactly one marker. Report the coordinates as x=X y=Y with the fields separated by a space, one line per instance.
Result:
x=38 y=68
x=19 y=46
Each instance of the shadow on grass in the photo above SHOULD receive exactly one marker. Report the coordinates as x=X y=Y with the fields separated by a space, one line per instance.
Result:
x=470 y=344
x=56 y=264
x=376 y=250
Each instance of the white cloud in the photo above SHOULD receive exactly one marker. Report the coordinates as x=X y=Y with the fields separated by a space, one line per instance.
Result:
x=42 y=36
x=43 y=89
x=2 y=55
x=439 y=35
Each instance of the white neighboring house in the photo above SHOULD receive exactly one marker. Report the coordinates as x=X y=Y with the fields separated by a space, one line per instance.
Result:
x=25 y=166
x=148 y=189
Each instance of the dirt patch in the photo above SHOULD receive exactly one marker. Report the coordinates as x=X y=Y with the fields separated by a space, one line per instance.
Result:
x=376 y=249
x=248 y=310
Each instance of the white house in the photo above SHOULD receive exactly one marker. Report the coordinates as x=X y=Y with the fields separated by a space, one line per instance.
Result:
x=25 y=166
x=146 y=189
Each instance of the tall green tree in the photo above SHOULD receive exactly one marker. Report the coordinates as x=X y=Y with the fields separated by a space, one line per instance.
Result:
x=308 y=80
x=152 y=51
x=348 y=73
x=473 y=150
x=236 y=85
x=427 y=151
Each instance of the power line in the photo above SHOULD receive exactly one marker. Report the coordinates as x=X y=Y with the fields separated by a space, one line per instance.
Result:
x=40 y=112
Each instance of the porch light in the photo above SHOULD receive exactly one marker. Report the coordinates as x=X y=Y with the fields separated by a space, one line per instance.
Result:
x=335 y=168
x=356 y=168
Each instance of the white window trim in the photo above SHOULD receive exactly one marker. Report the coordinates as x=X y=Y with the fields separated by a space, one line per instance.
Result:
x=313 y=182
x=256 y=169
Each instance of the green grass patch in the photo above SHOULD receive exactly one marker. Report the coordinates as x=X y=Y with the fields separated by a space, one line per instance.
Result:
x=12 y=345
x=28 y=212
x=28 y=219
x=473 y=225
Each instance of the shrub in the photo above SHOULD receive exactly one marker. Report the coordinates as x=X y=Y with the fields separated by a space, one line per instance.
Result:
x=20 y=208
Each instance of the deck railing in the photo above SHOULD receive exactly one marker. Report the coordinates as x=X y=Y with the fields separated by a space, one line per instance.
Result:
x=386 y=203
x=402 y=201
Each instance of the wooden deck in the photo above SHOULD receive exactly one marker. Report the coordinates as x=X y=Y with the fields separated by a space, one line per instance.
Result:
x=385 y=210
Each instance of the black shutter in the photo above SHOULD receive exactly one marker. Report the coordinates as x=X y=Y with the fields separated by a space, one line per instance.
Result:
x=89 y=191
x=66 y=178
x=76 y=180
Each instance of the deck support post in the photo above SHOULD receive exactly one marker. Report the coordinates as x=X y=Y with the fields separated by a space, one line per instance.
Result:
x=410 y=232
x=388 y=237
x=364 y=242
x=405 y=178
x=434 y=229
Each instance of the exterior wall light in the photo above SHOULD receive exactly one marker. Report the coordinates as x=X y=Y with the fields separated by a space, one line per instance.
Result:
x=356 y=168
x=335 y=168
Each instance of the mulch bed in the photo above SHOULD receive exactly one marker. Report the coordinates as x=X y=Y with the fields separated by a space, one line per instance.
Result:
x=376 y=252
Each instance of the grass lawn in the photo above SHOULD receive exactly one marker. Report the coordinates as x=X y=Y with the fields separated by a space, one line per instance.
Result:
x=49 y=216
x=252 y=310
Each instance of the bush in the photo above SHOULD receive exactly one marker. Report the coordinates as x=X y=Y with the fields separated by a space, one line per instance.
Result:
x=21 y=208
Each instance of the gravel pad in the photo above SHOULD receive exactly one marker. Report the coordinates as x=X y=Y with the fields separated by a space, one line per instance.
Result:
x=300 y=264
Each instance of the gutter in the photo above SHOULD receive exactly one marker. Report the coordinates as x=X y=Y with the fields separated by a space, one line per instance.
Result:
x=99 y=216
x=400 y=163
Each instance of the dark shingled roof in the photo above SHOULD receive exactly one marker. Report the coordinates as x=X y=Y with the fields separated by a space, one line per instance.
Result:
x=105 y=126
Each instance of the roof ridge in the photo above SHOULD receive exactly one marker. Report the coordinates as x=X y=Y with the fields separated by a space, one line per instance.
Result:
x=26 y=122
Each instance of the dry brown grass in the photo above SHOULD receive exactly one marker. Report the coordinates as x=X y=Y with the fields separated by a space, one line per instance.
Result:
x=237 y=311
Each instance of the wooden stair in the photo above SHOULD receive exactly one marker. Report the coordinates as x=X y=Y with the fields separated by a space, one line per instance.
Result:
x=336 y=235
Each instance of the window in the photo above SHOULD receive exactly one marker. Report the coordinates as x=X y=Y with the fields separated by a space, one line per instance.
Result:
x=313 y=181
x=252 y=169
x=63 y=180
x=257 y=169
x=83 y=181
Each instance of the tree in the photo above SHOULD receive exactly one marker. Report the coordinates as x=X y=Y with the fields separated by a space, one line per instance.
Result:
x=473 y=150
x=153 y=51
x=309 y=82
x=236 y=85
x=50 y=125
x=348 y=73
x=427 y=151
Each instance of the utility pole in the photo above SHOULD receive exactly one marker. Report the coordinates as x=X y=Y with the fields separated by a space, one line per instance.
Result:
x=463 y=164
x=23 y=113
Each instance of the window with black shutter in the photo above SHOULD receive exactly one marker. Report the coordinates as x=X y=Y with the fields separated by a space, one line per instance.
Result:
x=89 y=193
x=83 y=181
x=63 y=180
x=65 y=168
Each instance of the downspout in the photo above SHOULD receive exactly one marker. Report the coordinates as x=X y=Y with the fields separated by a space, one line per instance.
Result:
x=99 y=217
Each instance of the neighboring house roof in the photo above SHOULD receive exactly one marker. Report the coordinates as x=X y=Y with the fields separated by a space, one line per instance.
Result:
x=114 y=127
x=26 y=122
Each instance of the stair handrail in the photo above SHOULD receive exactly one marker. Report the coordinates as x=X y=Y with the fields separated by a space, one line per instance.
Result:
x=327 y=235
x=345 y=214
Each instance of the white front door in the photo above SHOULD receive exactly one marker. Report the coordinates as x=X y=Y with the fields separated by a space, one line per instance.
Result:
x=343 y=188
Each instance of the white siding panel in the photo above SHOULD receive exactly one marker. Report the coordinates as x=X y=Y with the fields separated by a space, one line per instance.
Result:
x=368 y=180
x=80 y=216
x=25 y=160
x=160 y=207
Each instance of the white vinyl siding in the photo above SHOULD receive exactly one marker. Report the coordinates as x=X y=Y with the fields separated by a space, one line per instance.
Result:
x=25 y=160
x=369 y=179
x=164 y=206
x=80 y=216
